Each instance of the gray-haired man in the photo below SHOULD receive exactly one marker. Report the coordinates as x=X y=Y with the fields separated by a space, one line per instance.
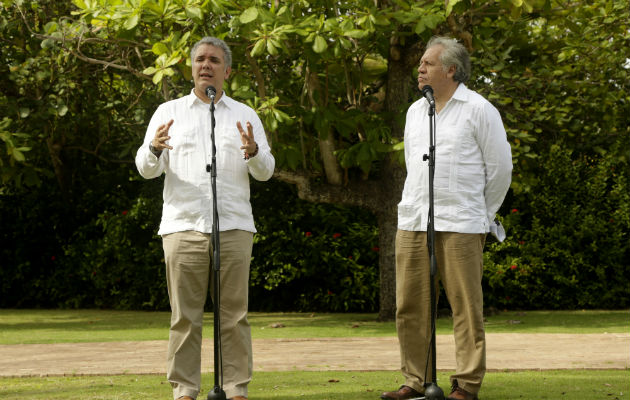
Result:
x=472 y=175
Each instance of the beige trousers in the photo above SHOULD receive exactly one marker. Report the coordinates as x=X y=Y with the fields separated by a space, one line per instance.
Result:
x=188 y=257
x=459 y=258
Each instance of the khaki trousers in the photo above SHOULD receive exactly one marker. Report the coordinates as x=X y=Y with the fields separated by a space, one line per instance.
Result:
x=459 y=258
x=188 y=257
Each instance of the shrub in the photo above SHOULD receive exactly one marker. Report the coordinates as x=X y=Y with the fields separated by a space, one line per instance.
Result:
x=311 y=257
x=567 y=244
x=117 y=259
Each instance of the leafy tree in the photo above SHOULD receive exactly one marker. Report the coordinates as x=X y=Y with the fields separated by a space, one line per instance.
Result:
x=331 y=79
x=68 y=128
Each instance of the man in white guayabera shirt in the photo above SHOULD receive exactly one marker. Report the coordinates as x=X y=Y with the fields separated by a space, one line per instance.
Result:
x=473 y=168
x=178 y=143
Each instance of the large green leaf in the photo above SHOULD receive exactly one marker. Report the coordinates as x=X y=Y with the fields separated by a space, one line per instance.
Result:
x=319 y=45
x=249 y=15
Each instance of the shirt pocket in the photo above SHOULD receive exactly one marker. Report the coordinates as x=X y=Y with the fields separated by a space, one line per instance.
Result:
x=186 y=158
x=418 y=147
x=452 y=143
x=229 y=155
x=411 y=217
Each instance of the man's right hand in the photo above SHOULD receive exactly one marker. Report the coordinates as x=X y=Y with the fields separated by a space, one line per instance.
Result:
x=161 y=136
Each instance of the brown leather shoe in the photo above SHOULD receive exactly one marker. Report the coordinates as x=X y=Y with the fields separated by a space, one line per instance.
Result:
x=405 y=392
x=460 y=394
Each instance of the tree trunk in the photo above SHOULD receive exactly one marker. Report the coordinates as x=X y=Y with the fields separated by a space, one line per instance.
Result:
x=381 y=196
x=387 y=217
x=334 y=176
x=401 y=61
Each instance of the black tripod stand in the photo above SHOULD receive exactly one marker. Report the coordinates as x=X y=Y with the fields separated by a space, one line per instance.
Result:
x=432 y=390
x=217 y=392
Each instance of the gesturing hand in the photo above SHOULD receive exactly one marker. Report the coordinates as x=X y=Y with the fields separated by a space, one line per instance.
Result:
x=249 y=144
x=161 y=136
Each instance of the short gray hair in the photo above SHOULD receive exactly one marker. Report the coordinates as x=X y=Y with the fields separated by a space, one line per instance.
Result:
x=216 y=42
x=454 y=53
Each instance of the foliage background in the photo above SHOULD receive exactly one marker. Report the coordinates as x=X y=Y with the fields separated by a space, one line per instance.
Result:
x=78 y=224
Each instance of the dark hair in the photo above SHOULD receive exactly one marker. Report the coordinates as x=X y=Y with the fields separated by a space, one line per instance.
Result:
x=454 y=53
x=214 y=42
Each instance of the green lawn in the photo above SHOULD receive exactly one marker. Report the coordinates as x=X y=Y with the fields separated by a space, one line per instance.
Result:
x=55 y=326
x=527 y=385
x=58 y=326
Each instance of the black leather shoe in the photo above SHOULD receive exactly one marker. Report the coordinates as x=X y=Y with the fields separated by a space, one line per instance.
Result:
x=405 y=392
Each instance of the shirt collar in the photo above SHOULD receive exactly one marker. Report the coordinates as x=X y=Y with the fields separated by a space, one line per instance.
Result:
x=461 y=93
x=192 y=99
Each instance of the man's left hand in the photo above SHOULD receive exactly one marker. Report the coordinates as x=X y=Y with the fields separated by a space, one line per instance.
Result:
x=247 y=138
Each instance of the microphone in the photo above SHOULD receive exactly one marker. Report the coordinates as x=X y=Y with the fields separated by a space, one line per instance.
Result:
x=211 y=92
x=427 y=92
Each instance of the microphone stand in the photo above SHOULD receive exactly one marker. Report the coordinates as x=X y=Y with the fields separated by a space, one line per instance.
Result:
x=432 y=390
x=217 y=392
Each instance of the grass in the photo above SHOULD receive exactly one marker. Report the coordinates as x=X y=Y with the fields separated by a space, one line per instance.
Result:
x=71 y=326
x=56 y=326
x=527 y=385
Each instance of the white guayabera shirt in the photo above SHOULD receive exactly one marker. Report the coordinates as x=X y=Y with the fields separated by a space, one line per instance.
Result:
x=187 y=185
x=473 y=165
